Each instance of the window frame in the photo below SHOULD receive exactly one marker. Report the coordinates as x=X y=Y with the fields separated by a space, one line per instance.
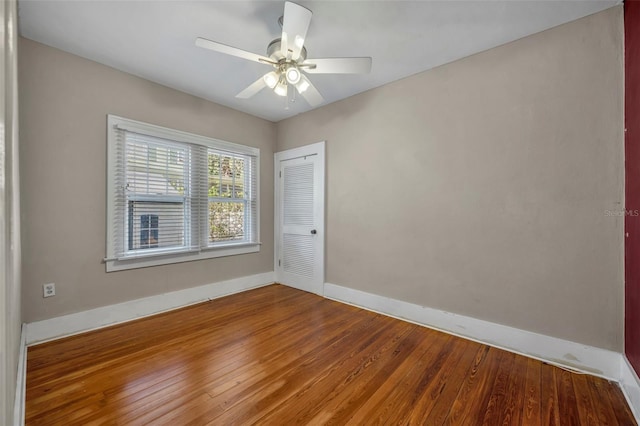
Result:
x=163 y=257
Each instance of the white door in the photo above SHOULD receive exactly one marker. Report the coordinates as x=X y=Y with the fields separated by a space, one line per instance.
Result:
x=299 y=231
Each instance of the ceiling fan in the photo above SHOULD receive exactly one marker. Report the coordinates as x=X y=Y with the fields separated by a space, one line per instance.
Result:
x=288 y=57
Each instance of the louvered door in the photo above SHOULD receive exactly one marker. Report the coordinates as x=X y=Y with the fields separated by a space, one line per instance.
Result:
x=300 y=217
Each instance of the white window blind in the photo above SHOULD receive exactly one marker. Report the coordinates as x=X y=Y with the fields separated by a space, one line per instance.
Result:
x=177 y=196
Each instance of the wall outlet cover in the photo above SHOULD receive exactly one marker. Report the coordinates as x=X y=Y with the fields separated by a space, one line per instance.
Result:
x=48 y=290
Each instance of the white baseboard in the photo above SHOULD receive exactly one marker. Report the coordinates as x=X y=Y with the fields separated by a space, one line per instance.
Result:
x=67 y=325
x=566 y=354
x=21 y=382
x=630 y=385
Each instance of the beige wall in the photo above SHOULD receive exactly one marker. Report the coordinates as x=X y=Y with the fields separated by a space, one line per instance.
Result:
x=480 y=187
x=64 y=104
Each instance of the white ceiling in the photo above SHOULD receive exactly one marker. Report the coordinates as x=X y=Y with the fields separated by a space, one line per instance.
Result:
x=155 y=39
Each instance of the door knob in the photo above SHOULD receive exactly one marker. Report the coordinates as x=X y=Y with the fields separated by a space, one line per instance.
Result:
x=313 y=232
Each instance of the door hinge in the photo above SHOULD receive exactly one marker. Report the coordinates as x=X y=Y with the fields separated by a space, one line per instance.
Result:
x=280 y=173
x=278 y=262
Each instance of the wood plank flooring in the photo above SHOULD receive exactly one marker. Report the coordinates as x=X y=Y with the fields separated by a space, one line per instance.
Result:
x=279 y=356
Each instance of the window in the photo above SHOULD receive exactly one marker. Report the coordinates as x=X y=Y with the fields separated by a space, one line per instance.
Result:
x=174 y=196
x=148 y=231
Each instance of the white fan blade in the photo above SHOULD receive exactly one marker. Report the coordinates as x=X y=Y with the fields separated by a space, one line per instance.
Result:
x=254 y=88
x=310 y=94
x=338 y=66
x=233 y=51
x=295 y=23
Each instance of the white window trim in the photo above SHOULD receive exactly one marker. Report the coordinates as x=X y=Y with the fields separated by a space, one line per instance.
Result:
x=155 y=259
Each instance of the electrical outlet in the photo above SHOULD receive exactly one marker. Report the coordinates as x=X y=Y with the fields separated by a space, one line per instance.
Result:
x=48 y=290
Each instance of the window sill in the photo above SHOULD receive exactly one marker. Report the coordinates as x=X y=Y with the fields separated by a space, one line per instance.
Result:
x=166 y=259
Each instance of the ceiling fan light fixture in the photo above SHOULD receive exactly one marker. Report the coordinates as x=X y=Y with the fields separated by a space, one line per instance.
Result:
x=271 y=79
x=292 y=74
x=281 y=88
x=302 y=85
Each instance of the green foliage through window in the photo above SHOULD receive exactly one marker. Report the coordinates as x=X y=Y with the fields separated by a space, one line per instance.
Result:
x=226 y=197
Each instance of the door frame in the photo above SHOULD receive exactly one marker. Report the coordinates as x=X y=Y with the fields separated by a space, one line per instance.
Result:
x=290 y=154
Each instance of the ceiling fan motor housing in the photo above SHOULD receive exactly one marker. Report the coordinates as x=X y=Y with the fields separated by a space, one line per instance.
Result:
x=275 y=53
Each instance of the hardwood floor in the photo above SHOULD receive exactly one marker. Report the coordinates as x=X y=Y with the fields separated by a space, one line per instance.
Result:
x=280 y=356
